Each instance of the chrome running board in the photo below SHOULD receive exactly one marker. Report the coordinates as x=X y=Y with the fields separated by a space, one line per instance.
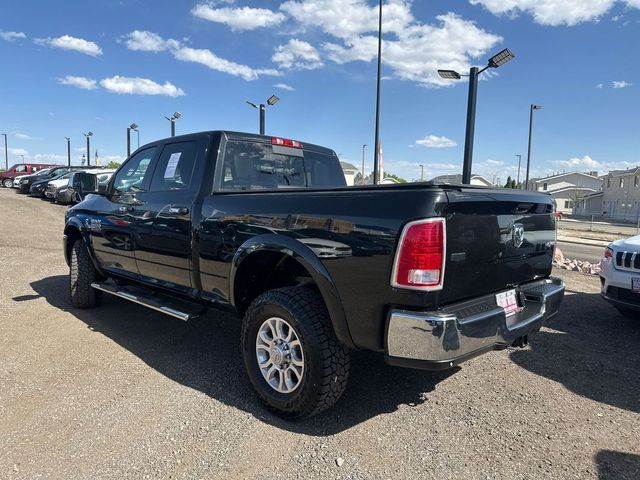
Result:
x=154 y=303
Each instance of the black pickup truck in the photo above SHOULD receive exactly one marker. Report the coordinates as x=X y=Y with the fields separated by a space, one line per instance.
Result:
x=428 y=275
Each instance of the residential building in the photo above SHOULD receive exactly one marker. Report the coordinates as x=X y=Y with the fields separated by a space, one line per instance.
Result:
x=457 y=180
x=349 y=172
x=621 y=195
x=567 y=188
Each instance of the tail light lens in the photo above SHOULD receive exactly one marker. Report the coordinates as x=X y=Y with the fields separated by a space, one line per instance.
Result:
x=608 y=253
x=419 y=262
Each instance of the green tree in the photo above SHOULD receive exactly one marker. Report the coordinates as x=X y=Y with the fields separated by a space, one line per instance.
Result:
x=113 y=164
x=395 y=177
x=508 y=184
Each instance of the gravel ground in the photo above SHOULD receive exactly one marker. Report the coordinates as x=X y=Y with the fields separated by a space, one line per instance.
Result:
x=123 y=392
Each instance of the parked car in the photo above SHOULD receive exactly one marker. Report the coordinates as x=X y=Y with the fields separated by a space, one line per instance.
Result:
x=38 y=187
x=468 y=272
x=81 y=182
x=7 y=176
x=53 y=185
x=50 y=174
x=620 y=276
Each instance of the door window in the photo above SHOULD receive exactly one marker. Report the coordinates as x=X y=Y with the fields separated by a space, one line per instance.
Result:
x=175 y=167
x=131 y=176
x=21 y=168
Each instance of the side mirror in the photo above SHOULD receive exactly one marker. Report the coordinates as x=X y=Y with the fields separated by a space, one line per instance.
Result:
x=87 y=182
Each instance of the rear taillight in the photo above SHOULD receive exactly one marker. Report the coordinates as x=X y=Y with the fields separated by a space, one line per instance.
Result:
x=285 y=142
x=608 y=253
x=419 y=262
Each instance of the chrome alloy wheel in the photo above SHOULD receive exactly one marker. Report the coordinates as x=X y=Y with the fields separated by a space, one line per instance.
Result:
x=279 y=355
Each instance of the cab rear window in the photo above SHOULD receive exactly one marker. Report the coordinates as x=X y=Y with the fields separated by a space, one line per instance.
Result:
x=259 y=166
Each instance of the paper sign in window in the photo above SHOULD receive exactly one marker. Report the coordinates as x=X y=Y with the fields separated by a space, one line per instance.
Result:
x=172 y=164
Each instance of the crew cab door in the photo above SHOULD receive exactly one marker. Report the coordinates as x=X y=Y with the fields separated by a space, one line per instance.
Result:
x=163 y=227
x=111 y=224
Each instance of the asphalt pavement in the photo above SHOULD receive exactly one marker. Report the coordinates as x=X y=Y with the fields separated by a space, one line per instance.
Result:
x=122 y=392
x=587 y=253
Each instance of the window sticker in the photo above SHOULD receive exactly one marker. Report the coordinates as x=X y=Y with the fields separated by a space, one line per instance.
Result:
x=172 y=164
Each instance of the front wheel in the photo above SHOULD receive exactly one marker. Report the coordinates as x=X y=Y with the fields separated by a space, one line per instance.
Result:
x=82 y=273
x=7 y=182
x=291 y=354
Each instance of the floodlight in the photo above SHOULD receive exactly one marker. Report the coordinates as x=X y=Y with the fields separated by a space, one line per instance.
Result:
x=501 y=58
x=177 y=115
x=273 y=100
x=449 y=74
x=536 y=107
x=133 y=126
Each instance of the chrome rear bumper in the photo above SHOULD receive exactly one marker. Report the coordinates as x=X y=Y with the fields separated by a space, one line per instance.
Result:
x=443 y=338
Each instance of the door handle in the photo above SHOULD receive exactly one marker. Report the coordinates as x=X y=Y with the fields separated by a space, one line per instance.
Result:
x=125 y=209
x=178 y=210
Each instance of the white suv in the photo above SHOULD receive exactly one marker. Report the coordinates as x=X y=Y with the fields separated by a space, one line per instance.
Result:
x=620 y=276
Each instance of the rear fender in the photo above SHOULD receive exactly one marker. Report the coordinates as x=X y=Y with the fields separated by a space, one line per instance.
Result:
x=311 y=263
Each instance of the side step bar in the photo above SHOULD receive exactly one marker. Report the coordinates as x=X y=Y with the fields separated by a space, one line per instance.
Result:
x=153 y=302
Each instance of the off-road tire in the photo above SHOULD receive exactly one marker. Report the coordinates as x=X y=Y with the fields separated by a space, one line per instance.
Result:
x=326 y=360
x=82 y=273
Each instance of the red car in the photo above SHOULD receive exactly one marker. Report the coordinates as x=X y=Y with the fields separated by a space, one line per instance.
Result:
x=7 y=176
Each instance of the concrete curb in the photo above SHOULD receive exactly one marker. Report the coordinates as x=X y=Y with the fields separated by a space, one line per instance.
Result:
x=587 y=242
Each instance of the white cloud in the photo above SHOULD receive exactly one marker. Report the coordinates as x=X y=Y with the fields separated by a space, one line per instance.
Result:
x=79 y=82
x=145 y=41
x=211 y=60
x=621 y=84
x=140 y=86
x=297 y=55
x=494 y=163
x=17 y=151
x=600 y=85
x=67 y=42
x=434 y=141
x=49 y=158
x=412 y=50
x=346 y=19
x=554 y=12
x=285 y=86
x=244 y=18
x=11 y=36
x=23 y=136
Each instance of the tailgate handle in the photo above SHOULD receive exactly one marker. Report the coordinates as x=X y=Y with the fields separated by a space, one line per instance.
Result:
x=178 y=210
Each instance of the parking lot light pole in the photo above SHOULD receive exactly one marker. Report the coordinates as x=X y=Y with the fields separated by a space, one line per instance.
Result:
x=6 y=153
x=362 y=171
x=519 y=160
x=421 y=173
x=68 y=151
x=532 y=108
x=376 y=152
x=134 y=127
x=172 y=120
x=496 y=61
x=88 y=135
x=262 y=108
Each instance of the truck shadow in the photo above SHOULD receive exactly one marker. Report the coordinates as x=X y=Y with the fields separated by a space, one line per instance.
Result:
x=205 y=355
x=589 y=348
x=614 y=465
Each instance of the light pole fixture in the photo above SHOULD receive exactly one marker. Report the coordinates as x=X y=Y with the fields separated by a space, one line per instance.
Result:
x=519 y=161
x=421 y=173
x=532 y=108
x=271 y=101
x=88 y=135
x=362 y=171
x=134 y=127
x=173 y=119
x=68 y=151
x=496 y=61
x=6 y=153
x=376 y=153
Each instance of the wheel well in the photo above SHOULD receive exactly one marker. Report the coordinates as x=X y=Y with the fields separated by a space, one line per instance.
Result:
x=266 y=271
x=73 y=234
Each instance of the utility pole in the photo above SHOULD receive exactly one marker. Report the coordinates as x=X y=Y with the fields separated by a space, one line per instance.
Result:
x=376 y=153
x=6 y=153
x=519 y=160
x=68 y=151
x=362 y=171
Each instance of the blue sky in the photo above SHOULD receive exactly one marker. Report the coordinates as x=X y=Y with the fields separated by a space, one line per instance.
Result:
x=95 y=65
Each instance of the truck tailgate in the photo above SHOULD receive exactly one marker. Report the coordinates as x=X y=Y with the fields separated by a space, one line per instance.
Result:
x=495 y=240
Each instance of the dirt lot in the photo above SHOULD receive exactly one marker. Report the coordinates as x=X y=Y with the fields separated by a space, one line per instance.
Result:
x=124 y=392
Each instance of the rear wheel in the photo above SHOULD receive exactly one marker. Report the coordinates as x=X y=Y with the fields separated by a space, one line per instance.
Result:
x=291 y=354
x=7 y=182
x=82 y=274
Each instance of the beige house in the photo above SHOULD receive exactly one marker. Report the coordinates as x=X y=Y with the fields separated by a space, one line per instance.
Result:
x=567 y=188
x=349 y=171
x=621 y=195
